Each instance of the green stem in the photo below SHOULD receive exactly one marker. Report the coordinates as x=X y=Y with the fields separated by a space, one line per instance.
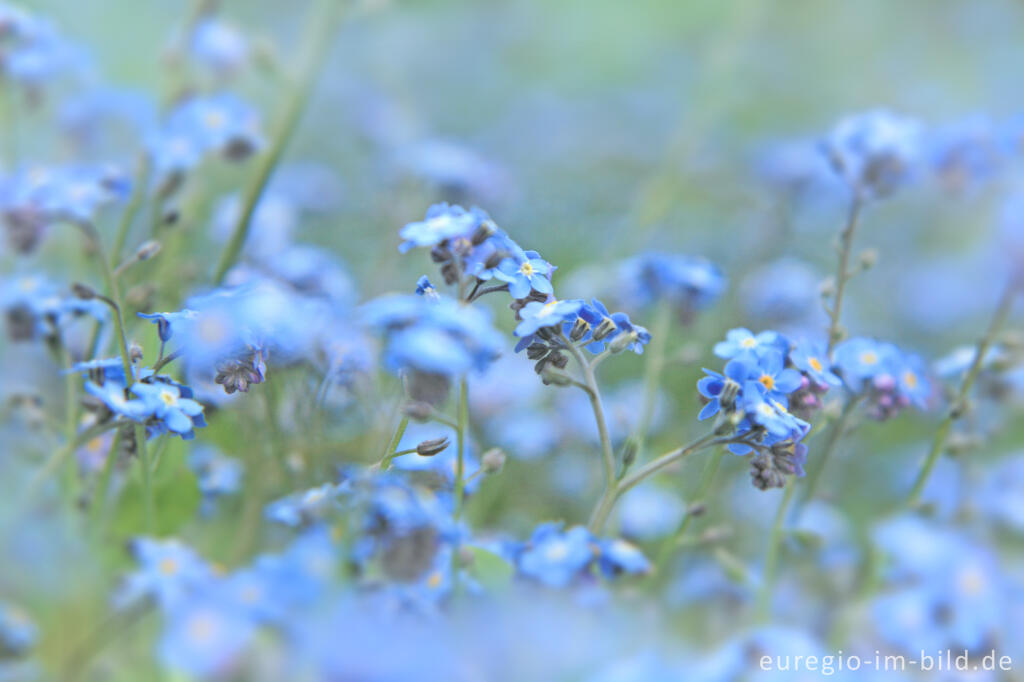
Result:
x=393 y=443
x=843 y=273
x=131 y=210
x=594 y=393
x=771 y=559
x=323 y=19
x=461 y=421
x=58 y=457
x=653 y=372
x=959 y=402
x=99 y=500
x=607 y=502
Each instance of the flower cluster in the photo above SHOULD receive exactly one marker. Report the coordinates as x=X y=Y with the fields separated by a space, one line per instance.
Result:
x=888 y=378
x=688 y=283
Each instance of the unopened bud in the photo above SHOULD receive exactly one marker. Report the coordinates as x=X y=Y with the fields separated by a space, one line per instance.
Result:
x=148 y=249
x=417 y=410
x=83 y=291
x=429 y=448
x=827 y=288
x=135 y=351
x=622 y=342
x=551 y=377
x=492 y=461
x=868 y=258
x=696 y=509
x=536 y=351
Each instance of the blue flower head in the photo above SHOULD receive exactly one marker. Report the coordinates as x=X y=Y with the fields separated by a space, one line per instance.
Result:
x=443 y=223
x=172 y=411
x=812 y=359
x=723 y=390
x=875 y=152
x=556 y=558
x=18 y=633
x=168 y=572
x=689 y=283
x=742 y=341
x=536 y=315
x=525 y=272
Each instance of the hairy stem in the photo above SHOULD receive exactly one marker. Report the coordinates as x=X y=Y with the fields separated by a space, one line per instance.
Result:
x=958 y=406
x=843 y=273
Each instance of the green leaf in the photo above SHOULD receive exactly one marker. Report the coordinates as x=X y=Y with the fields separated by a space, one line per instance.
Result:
x=490 y=570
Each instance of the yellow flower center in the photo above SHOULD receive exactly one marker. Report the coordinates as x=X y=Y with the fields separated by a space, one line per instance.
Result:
x=201 y=628
x=971 y=581
x=869 y=357
x=767 y=381
x=434 y=581
x=750 y=342
x=548 y=307
x=214 y=120
x=169 y=398
x=168 y=566
x=556 y=551
x=526 y=269
x=910 y=379
x=815 y=364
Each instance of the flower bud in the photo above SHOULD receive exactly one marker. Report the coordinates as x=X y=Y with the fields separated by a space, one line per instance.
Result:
x=606 y=327
x=868 y=258
x=417 y=410
x=622 y=342
x=83 y=291
x=429 y=448
x=579 y=329
x=148 y=249
x=492 y=461
x=551 y=377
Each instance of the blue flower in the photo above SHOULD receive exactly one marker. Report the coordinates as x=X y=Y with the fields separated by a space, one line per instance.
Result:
x=742 y=341
x=525 y=272
x=168 y=572
x=304 y=507
x=18 y=634
x=164 y=321
x=616 y=556
x=555 y=557
x=204 y=635
x=536 y=315
x=218 y=474
x=112 y=395
x=165 y=402
x=812 y=359
x=218 y=46
x=722 y=390
x=689 y=283
x=875 y=152
x=425 y=288
x=439 y=337
x=773 y=376
x=771 y=414
x=442 y=223
x=859 y=359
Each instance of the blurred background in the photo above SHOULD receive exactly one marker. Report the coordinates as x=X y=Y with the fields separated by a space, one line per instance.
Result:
x=593 y=131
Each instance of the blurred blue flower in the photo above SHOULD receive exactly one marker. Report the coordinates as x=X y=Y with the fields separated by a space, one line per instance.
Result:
x=555 y=557
x=875 y=152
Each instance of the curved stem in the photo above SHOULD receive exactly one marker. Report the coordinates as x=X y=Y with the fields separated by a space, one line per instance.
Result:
x=607 y=503
x=653 y=372
x=594 y=394
x=323 y=19
x=843 y=273
x=980 y=351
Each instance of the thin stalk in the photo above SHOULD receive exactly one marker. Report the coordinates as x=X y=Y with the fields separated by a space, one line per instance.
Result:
x=461 y=421
x=980 y=351
x=604 y=507
x=771 y=559
x=396 y=438
x=843 y=273
x=653 y=372
x=131 y=209
x=322 y=21
x=58 y=456
x=594 y=393
x=99 y=500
